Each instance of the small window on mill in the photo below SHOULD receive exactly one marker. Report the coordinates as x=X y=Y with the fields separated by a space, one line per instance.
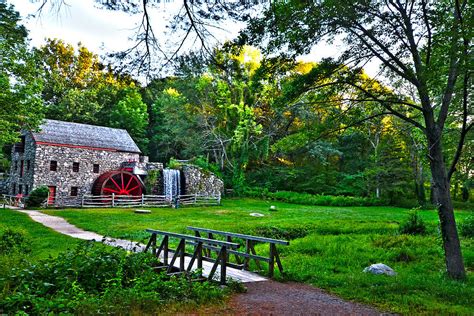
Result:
x=74 y=191
x=96 y=168
x=75 y=166
x=53 y=165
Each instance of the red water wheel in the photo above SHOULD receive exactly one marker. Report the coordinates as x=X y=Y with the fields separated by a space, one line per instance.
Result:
x=118 y=182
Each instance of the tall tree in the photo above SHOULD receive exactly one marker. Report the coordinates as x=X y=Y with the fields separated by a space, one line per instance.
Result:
x=20 y=83
x=422 y=45
x=79 y=88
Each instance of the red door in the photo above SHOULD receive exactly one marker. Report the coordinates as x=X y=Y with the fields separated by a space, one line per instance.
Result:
x=52 y=195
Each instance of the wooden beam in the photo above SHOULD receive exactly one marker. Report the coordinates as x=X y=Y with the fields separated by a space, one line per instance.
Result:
x=178 y=251
x=193 y=238
x=242 y=236
x=271 y=263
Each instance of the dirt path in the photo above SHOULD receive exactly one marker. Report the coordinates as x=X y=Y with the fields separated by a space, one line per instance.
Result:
x=275 y=298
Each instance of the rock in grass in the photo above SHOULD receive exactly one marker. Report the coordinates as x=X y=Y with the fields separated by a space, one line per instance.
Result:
x=380 y=268
x=256 y=214
x=142 y=211
x=273 y=208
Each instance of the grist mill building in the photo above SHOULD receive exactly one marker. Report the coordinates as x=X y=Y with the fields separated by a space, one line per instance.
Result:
x=73 y=159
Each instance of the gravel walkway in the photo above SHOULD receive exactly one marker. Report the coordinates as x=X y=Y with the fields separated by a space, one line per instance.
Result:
x=60 y=225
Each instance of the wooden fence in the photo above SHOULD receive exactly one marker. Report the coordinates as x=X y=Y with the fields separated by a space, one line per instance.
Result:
x=121 y=200
x=134 y=201
x=13 y=200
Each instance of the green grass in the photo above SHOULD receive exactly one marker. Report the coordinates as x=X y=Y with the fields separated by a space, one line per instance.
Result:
x=334 y=245
x=55 y=274
x=44 y=241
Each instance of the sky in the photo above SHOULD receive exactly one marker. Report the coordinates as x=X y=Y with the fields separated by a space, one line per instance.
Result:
x=103 y=31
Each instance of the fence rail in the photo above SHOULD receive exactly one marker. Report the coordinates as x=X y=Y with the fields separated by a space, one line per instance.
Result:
x=121 y=200
x=248 y=252
x=143 y=200
x=13 y=200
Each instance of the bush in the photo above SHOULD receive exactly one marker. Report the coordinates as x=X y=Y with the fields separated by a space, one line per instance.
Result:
x=459 y=205
x=414 y=225
x=14 y=241
x=93 y=279
x=466 y=228
x=205 y=165
x=287 y=233
x=312 y=199
x=37 y=196
x=174 y=164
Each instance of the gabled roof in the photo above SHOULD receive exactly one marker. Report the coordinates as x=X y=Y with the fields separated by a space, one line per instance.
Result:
x=69 y=134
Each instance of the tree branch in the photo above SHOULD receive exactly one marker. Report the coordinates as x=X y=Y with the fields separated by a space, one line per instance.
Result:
x=453 y=70
x=429 y=35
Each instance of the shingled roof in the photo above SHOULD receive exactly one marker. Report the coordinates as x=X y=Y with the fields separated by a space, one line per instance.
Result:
x=84 y=135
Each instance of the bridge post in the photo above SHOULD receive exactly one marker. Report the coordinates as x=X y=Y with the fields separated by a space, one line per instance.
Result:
x=223 y=264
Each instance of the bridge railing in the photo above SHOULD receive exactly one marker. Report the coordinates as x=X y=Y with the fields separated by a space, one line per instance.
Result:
x=242 y=258
x=168 y=256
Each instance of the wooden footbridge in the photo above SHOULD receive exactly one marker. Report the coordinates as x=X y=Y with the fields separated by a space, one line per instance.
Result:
x=210 y=257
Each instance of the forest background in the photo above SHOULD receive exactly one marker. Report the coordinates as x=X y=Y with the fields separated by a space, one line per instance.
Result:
x=250 y=118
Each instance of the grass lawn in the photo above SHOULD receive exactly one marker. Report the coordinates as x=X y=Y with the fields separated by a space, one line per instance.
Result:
x=330 y=247
x=44 y=242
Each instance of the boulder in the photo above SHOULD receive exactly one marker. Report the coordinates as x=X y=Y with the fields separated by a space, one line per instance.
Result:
x=380 y=268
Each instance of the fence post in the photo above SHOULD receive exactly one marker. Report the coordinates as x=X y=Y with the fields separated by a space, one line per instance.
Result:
x=195 y=198
x=143 y=199
x=271 y=263
x=219 y=198
x=113 y=199
x=223 y=264
x=82 y=201
x=176 y=202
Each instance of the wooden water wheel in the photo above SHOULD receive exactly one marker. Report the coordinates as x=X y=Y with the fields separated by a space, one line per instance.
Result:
x=118 y=182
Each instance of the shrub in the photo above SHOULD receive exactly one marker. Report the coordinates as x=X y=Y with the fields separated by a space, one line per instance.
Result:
x=205 y=165
x=466 y=228
x=93 y=279
x=14 y=241
x=37 y=196
x=151 y=181
x=287 y=233
x=414 y=225
x=174 y=164
x=312 y=199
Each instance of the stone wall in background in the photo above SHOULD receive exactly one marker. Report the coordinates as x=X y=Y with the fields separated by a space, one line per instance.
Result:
x=22 y=167
x=199 y=181
x=4 y=184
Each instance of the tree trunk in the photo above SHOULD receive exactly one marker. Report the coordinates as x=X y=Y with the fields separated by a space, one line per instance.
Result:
x=441 y=193
x=419 y=179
